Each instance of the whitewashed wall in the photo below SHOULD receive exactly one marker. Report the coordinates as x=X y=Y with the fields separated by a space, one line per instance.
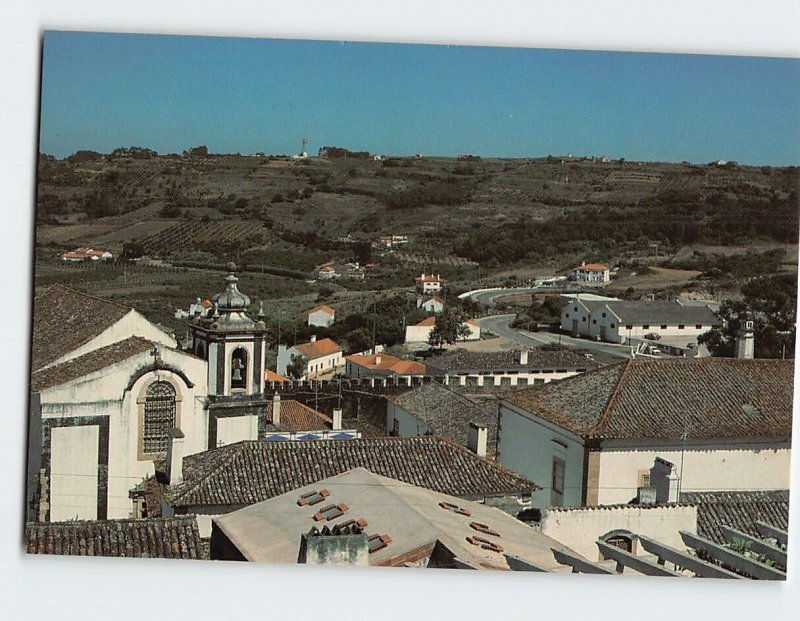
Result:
x=705 y=468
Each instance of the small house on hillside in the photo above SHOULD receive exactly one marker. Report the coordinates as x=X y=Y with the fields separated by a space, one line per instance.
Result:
x=321 y=316
x=323 y=356
x=86 y=254
x=431 y=305
x=592 y=272
x=421 y=332
x=428 y=284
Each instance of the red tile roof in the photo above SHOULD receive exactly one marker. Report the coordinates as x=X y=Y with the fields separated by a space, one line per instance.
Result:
x=428 y=321
x=271 y=376
x=429 y=278
x=388 y=363
x=318 y=349
x=176 y=537
x=296 y=416
x=706 y=397
x=65 y=319
x=591 y=266
x=325 y=309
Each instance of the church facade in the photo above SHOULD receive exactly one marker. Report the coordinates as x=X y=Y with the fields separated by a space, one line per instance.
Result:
x=109 y=390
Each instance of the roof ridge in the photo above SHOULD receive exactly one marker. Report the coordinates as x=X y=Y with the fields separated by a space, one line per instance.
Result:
x=611 y=400
x=88 y=295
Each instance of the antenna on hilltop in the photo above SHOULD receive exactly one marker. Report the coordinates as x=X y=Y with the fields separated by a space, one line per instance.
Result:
x=305 y=142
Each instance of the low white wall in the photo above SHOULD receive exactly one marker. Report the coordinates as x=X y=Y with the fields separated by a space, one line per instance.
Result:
x=232 y=429
x=579 y=529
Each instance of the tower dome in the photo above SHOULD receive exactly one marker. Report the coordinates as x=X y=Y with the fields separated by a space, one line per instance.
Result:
x=231 y=300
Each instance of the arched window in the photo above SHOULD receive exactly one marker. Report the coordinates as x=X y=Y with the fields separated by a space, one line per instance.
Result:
x=239 y=368
x=159 y=417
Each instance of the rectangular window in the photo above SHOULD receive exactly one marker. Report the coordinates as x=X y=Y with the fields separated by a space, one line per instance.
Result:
x=629 y=327
x=698 y=327
x=557 y=489
x=664 y=327
x=594 y=322
x=566 y=315
x=681 y=327
x=576 y=309
x=604 y=315
x=612 y=326
x=646 y=327
x=583 y=319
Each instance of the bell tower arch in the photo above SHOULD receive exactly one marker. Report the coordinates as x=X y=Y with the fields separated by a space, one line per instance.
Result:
x=233 y=343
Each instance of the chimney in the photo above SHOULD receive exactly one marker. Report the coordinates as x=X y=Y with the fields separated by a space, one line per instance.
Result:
x=478 y=438
x=337 y=418
x=313 y=338
x=276 y=410
x=347 y=546
x=523 y=357
x=377 y=360
x=175 y=456
x=664 y=477
x=583 y=263
x=745 y=341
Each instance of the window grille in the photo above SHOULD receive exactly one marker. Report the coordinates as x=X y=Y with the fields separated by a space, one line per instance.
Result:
x=159 y=417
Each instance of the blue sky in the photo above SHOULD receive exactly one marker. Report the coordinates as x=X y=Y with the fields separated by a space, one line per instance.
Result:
x=169 y=93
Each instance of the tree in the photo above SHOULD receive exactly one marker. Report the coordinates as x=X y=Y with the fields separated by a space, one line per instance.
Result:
x=297 y=367
x=770 y=303
x=450 y=327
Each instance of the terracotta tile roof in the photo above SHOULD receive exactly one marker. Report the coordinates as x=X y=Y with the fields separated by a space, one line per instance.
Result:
x=707 y=397
x=429 y=278
x=318 y=349
x=296 y=416
x=448 y=413
x=464 y=360
x=388 y=363
x=176 y=537
x=89 y=363
x=271 y=376
x=247 y=472
x=428 y=321
x=325 y=309
x=738 y=510
x=65 y=319
x=591 y=266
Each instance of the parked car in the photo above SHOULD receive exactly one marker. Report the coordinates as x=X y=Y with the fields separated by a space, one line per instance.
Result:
x=652 y=336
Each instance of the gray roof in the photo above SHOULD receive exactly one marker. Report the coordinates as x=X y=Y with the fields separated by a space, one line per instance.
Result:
x=739 y=510
x=415 y=523
x=448 y=413
x=662 y=312
x=706 y=397
x=240 y=474
x=464 y=360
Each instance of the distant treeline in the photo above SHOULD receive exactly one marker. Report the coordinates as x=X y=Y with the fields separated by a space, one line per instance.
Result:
x=673 y=217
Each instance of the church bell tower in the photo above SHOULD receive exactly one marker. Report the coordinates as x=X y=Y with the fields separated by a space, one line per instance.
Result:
x=231 y=342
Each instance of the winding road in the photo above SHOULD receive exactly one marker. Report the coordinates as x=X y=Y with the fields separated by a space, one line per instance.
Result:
x=501 y=326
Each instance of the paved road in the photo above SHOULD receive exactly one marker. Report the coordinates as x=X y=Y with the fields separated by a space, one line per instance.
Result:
x=487 y=298
x=500 y=325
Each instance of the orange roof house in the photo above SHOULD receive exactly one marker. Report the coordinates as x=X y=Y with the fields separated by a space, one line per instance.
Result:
x=358 y=366
x=318 y=349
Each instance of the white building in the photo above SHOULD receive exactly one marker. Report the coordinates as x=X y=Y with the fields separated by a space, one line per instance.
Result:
x=381 y=365
x=592 y=272
x=428 y=284
x=86 y=254
x=434 y=304
x=106 y=387
x=420 y=332
x=460 y=367
x=321 y=316
x=323 y=356
x=621 y=321
x=724 y=424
